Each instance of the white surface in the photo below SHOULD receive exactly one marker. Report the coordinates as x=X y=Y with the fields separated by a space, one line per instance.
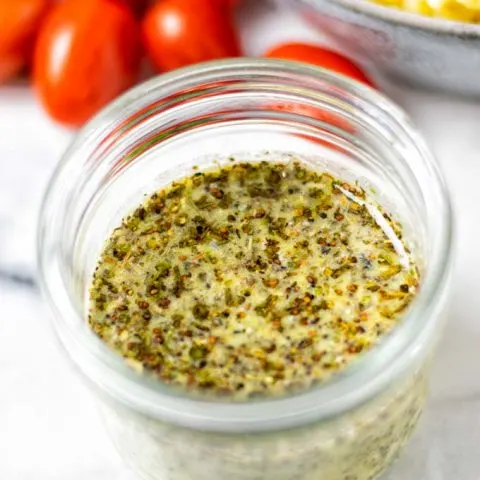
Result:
x=49 y=429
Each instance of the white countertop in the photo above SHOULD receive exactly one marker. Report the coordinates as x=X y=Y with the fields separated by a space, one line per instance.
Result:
x=49 y=428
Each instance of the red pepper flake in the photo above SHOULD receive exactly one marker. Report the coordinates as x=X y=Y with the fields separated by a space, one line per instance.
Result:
x=164 y=302
x=217 y=193
x=355 y=348
x=260 y=213
x=316 y=357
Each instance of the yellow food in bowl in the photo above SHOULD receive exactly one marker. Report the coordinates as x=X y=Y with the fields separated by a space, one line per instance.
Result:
x=460 y=10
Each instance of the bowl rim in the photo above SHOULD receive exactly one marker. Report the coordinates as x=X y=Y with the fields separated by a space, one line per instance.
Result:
x=409 y=19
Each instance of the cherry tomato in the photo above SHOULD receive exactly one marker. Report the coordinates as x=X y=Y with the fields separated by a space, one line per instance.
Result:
x=322 y=57
x=181 y=32
x=87 y=53
x=19 y=24
x=331 y=119
x=315 y=113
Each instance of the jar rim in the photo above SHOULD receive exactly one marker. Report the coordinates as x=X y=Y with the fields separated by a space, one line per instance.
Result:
x=352 y=387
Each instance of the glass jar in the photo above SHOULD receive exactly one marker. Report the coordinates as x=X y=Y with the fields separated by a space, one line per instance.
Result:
x=349 y=428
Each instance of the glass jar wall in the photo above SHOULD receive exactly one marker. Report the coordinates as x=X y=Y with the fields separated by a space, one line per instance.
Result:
x=349 y=428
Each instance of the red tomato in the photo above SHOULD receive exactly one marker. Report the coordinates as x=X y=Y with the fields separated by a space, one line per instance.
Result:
x=322 y=57
x=181 y=32
x=19 y=24
x=316 y=113
x=87 y=53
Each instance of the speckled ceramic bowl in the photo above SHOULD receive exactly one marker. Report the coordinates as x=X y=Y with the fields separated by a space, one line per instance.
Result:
x=433 y=53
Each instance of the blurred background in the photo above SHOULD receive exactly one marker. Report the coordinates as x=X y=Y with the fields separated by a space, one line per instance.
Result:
x=60 y=62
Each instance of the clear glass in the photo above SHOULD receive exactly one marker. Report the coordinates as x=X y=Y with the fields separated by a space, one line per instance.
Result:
x=350 y=428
